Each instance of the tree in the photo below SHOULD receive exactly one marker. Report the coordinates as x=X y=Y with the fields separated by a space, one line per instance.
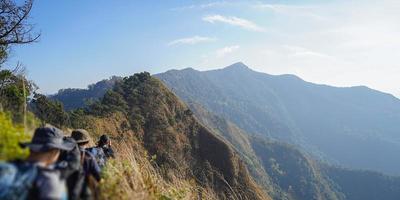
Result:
x=15 y=29
x=49 y=111
x=14 y=26
x=14 y=93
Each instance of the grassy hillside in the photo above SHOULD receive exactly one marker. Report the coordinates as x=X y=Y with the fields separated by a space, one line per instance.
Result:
x=134 y=174
x=169 y=136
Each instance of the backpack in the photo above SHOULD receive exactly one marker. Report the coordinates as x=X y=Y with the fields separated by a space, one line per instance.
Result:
x=70 y=165
x=16 y=180
x=99 y=155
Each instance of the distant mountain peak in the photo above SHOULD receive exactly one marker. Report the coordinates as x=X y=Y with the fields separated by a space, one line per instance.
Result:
x=189 y=69
x=238 y=66
x=185 y=70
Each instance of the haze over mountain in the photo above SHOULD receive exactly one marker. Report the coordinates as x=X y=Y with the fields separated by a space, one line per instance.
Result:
x=356 y=127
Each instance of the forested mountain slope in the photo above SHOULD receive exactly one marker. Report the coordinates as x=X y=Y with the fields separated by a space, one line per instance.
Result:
x=167 y=130
x=357 y=184
x=288 y=173
x=356 y=127
x=285 y=172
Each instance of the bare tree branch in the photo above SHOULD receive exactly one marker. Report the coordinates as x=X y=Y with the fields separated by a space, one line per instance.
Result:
x=16 y=12
x=15 y=28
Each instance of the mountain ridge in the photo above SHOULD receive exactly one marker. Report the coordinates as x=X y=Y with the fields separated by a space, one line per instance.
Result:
x=161 y=125
x=311 y=115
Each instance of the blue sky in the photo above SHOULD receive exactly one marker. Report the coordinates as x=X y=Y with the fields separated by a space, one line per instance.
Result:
x=341 y=43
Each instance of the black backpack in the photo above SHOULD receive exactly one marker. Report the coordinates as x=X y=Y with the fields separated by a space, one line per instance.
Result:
x=70 y=165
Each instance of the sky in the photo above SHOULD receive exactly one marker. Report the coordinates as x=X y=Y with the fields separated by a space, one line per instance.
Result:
x=337 y=42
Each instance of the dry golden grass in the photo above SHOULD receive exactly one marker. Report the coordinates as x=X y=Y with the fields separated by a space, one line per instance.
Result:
x=133 y=176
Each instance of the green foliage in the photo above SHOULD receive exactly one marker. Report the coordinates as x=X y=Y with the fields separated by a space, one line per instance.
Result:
x=113 y=175
x=77 y=118
x=115 y=101
x=14 y=93
x=98 y=109
x=3 y=54
x=174 y=194
x=127 y=96
x=49 y=111
x=111 y=102
x=10 y=136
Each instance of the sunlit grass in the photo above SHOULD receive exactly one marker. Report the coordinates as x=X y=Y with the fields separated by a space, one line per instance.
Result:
x=133 y=176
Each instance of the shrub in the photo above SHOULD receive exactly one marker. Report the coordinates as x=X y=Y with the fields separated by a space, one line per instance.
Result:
x=10 y=136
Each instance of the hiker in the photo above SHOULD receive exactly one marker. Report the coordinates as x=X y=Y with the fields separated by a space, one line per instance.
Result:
x=105 y=143
x=71 y=168
x=91 y=170
x=36 y=177
x=103 y=151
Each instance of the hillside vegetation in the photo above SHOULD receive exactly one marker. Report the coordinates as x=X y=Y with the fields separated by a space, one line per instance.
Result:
x=163 y=128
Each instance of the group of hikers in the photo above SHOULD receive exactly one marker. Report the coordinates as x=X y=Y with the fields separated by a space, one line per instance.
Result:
x=58 y=167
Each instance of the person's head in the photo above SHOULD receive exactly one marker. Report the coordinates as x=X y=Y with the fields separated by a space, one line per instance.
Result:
x=104 y=140
x=81 y=136
x=47 y=157
x=46 y=145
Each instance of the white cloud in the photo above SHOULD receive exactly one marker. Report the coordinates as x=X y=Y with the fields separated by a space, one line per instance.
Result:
x=226 y=50
x=234 y=21
x=292 y=10
x=202 y=6
x=281 y=7
x=340 y=43
x=191 y=40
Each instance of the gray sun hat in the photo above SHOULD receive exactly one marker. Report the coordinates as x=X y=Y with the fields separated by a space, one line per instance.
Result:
x=47 y=138
x=80 y=136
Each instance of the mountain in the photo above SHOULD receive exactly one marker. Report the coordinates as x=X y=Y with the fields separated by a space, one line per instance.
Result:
x=356 y=127
x=147 y=114
x=288 y=173
x=284 y=171
x=73 y=98
x=357 y=184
